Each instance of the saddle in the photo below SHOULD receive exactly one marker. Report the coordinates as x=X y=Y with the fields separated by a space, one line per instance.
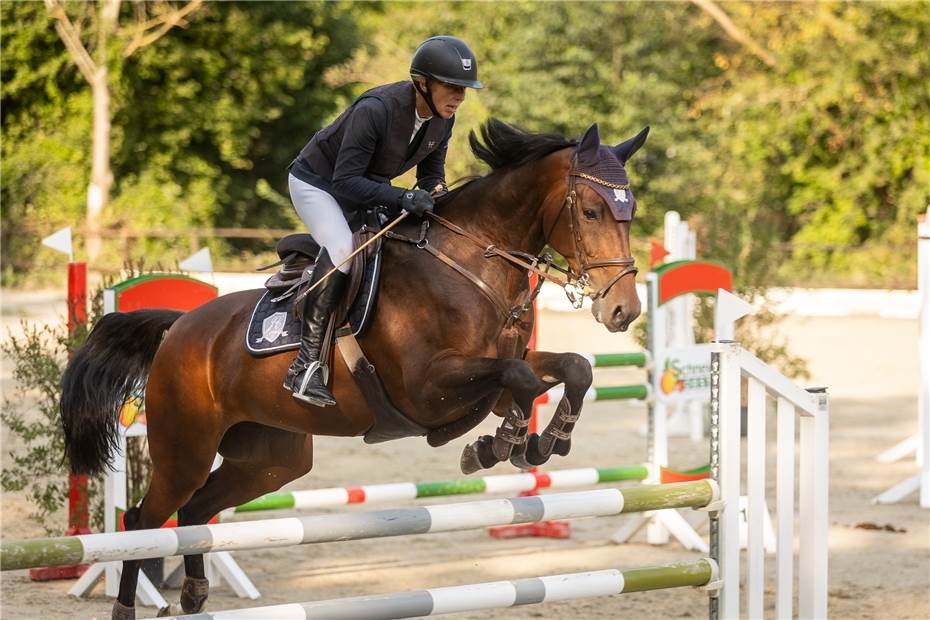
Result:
x=275 y=327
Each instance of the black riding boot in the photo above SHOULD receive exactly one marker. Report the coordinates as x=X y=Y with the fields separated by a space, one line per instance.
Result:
x=318 y=308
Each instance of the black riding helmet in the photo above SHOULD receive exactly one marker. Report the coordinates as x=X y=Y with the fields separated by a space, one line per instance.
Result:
x=445 y=59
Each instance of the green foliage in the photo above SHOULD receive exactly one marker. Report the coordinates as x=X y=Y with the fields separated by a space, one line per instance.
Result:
x=30 y=414
x=204 y=121
x=810 y=170
x=32 y=421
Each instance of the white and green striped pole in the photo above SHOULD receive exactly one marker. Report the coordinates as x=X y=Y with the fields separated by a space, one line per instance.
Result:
x=189 y=540
x=402 y=491
x=639 y=359
x=638 y=391
x=493 y=595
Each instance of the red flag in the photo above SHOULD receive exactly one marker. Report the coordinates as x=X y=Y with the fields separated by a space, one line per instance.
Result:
x=657 y=253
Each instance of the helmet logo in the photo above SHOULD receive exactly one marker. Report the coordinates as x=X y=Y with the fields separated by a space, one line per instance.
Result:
x=466 y=64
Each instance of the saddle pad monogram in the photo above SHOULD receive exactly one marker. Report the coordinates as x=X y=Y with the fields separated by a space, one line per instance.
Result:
x=273 y=327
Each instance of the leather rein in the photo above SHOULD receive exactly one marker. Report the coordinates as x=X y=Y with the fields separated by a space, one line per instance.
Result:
x=575 y=285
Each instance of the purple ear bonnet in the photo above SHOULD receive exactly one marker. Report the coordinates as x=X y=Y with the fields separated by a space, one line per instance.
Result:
x=608 y=168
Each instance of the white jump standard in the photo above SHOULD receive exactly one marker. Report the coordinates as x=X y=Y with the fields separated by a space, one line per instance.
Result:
x=918 y=444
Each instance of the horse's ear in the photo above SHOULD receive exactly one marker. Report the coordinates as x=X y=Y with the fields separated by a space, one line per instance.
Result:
x=587 y=147
x=625 y=150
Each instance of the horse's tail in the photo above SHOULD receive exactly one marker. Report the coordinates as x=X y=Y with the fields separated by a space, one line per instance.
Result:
x=102 y=375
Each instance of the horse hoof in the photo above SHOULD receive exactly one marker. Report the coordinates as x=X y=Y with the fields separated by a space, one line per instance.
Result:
x=562 y=447
x=518 y=458
x=170 y=610
x=534 y=456
x=519 y=461
x=194 y=594
x=122 y=612
x=477 y=455
x=469 y=462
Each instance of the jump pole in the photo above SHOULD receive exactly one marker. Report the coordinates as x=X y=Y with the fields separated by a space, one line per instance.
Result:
x=921 y=441
x=401 y=491
x=290 y=531
x=493 y=595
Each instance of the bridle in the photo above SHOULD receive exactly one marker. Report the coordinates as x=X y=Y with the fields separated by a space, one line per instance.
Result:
x=575 y=284
x=581 y=280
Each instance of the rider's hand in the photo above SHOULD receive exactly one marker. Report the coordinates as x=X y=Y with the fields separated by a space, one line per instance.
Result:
x=417 y=202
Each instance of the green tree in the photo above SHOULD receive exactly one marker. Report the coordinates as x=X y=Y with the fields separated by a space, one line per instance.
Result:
x=204 y=121
x=797 y=135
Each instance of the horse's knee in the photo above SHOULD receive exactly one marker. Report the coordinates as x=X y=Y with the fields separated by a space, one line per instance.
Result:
x=577 y=370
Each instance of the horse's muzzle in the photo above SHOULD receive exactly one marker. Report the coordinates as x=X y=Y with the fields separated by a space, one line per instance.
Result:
x=616 y=317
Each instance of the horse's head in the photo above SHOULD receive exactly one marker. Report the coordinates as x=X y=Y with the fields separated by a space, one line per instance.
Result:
x=592 y=227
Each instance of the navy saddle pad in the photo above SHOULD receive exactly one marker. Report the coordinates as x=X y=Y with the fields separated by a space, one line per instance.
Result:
x=273 y=327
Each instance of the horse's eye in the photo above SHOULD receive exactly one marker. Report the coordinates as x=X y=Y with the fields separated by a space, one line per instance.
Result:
x=590 y=214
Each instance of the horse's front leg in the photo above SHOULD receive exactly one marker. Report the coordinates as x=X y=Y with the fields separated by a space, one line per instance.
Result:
x=574 y=371
x=457 y=382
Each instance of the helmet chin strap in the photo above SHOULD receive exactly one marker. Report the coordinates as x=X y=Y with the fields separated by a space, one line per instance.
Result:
x=427 y=96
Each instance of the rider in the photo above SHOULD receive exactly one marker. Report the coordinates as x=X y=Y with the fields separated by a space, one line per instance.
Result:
x=347 y=167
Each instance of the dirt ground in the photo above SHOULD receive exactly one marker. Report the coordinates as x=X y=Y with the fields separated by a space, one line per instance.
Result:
x=869 y=365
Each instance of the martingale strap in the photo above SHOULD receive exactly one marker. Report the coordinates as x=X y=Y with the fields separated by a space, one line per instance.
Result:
x=491 y=251
x=424 y=244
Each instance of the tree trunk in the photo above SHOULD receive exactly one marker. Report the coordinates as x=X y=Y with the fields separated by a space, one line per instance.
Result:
x=101 y=178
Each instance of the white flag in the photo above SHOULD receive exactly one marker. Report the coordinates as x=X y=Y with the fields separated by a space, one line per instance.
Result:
x=729 y=310
x=200 y=261
x=60 y=241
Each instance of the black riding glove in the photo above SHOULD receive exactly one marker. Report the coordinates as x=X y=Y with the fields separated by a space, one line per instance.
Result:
x=417 y=202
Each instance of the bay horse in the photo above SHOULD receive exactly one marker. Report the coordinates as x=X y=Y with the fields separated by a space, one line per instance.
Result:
x=435 y=339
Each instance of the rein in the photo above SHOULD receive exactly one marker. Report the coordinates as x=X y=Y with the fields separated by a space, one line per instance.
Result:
x=574 y=285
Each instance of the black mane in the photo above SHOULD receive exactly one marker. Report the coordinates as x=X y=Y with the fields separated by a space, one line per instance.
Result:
x=503 y=145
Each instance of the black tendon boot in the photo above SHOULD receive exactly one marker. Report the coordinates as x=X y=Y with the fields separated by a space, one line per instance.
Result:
x=306 y=375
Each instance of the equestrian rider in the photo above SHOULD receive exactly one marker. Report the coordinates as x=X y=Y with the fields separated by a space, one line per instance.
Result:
x=347 y=168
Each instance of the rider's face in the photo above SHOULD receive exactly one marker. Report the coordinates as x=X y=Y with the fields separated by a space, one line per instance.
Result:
x=447 y=98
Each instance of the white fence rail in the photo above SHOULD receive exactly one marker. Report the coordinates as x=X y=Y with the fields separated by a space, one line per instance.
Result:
x=795 y=408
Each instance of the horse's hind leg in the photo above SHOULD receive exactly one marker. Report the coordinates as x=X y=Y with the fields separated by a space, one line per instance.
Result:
x=256 y=460
x=167 y=491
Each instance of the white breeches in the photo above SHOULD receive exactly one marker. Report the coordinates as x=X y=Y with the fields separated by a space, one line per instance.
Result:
x=323 y=218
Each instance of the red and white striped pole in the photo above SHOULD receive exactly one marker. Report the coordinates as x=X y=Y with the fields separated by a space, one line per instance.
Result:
x=78 y=520
x=78 y=514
